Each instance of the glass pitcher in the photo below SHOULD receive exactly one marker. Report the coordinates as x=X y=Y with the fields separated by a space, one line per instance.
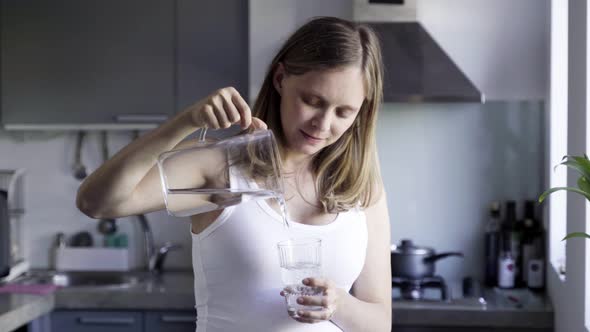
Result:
x=211 y=174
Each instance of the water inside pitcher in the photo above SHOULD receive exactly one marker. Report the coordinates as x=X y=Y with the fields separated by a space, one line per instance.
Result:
x=211 y=174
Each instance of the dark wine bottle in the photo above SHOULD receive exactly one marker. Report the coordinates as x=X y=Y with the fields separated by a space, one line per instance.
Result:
x=533 y=249
x=492 y=245
x=512 y=229
x=529 y=233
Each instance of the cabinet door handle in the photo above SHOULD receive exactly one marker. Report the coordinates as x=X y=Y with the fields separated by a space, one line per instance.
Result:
x=178 y=319
x=106 y=320
x=140 y=118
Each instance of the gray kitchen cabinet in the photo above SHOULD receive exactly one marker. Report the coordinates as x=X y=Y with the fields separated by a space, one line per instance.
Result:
x=111 y=64
x=96 y=321
x=80 y=62
x=212 y=48
x=117 y=321
x=178 y=321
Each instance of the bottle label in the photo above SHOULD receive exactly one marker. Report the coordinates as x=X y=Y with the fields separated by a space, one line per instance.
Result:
x=536 y=269
x=506 y=272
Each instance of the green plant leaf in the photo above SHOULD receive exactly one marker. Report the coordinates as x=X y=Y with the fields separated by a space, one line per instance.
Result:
x=582 y=166
x=572 y=189
x=577 y=164
x=583 y=161
x=576 y=234
x=584 y=185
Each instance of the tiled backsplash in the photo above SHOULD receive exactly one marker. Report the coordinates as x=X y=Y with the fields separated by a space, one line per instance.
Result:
x=50 y=194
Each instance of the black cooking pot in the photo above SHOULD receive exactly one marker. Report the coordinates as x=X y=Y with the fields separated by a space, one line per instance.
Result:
x=414 y=262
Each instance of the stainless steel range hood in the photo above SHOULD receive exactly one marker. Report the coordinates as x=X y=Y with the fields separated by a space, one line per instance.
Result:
x=417 y=69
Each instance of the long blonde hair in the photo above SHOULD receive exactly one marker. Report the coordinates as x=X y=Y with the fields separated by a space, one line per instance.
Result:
x=346 y=172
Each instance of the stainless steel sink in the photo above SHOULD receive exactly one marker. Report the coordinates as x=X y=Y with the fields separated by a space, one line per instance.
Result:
x=84 y=279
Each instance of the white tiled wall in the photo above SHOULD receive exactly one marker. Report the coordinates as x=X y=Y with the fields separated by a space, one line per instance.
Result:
x=50 y=192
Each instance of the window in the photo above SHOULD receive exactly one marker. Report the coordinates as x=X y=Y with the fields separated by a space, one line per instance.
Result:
x=558 y=130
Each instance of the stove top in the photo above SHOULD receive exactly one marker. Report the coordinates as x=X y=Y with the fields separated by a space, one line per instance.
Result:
x=426 y=289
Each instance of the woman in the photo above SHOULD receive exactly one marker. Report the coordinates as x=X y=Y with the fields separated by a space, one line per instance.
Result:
x=320 y=97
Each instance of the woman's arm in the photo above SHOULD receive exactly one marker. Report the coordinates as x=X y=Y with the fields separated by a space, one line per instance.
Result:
x=129 y=184
x=370 y=307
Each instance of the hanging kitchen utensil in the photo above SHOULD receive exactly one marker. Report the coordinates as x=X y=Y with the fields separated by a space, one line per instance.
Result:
x=78 y=169
x=106 y=226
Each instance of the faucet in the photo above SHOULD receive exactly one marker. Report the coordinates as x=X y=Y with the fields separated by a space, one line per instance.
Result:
x=154 y=258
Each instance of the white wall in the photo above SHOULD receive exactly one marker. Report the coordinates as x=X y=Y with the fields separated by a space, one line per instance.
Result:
x=271 y=22
x=501 y=45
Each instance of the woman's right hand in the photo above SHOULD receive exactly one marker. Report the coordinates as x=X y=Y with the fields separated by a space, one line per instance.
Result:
x=223 y=108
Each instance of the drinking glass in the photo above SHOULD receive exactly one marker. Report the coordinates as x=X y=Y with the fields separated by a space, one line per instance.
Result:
x=210 y=174
x=300 y=259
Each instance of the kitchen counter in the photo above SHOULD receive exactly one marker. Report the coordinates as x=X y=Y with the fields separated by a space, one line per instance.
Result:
x=174 y=291
x=19 y=309
x=171 y=291
x=518 y=308
x=460 y=316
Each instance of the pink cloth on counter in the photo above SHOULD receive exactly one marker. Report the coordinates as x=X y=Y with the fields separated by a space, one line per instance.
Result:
x=28 y=289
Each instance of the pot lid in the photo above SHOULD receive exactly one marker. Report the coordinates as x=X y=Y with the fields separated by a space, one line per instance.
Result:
x=407 y=247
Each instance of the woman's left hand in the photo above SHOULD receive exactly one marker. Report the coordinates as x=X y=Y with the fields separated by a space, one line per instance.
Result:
x=329 y=301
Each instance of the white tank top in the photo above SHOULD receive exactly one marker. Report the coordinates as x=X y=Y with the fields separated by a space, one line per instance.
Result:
x=237 y=272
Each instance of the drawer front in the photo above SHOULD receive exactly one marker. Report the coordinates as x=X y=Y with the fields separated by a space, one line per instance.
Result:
x=96 y=321
x=177 y=321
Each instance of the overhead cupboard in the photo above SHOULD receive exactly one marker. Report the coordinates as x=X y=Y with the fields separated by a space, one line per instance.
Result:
x=111 y=64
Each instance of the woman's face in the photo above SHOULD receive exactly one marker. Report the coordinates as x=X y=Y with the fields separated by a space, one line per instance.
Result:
x=319 y=106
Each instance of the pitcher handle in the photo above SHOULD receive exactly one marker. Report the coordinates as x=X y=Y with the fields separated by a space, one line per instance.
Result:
x=202 y=134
